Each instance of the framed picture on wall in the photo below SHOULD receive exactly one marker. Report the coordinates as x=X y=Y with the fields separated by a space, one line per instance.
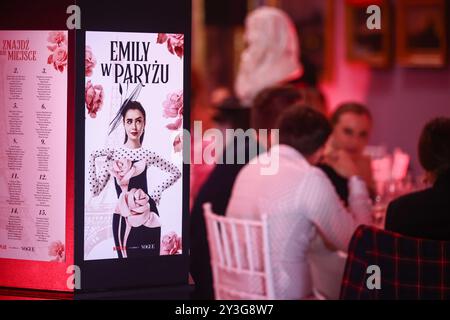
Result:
x=421 y=33
x=314 y=21
x=371 y=46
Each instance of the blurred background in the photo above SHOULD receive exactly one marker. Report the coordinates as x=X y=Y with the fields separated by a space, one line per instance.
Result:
x=399 y=72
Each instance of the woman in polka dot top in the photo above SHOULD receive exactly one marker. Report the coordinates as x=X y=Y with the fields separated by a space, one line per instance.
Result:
x=136 y=226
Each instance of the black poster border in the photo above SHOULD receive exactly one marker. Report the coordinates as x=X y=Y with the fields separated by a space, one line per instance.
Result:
x=169 y=16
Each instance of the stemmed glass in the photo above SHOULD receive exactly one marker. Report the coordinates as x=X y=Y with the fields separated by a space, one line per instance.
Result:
x=388 y=191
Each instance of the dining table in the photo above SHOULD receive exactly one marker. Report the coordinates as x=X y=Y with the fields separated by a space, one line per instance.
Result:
x=327 y=265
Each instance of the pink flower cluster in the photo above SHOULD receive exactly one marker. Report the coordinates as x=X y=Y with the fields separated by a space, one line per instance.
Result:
x=171 y=244
x=58 y=47
x=56 y=249
x=175 y=42
x=93 y=93
x=89 y=62
x=173 y=108
x=94 y=98
x=178 y=143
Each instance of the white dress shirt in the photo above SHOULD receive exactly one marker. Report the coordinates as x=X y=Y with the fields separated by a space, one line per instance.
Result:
x=307 y=205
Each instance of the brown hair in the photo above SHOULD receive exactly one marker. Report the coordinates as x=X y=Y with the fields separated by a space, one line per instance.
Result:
x=270 y=103
x=350 y=107
x=304 y=129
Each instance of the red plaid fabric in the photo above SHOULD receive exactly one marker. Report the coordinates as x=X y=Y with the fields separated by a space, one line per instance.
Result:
x=413 y=269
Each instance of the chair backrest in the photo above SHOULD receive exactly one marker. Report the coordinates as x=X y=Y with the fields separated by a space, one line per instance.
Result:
x=409 y=268
x=240 y=261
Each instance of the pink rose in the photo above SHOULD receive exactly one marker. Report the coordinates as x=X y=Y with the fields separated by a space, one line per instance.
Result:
x=58 y=58
x=175 y=42
x=170 y=244
x=57 y=37
x=173 y=105
x=90 y=62
x=56 y=249
x=173 y=108
x=176 y=125
x=134 y=206
x=52 y=47
x=178 y=143
x=124 y=169
x=93 y=98
x=162 y=37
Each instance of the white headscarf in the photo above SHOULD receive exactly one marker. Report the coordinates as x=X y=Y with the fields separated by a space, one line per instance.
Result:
x=272 y=54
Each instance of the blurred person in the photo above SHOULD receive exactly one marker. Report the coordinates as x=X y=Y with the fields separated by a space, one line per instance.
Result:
x=200 y=107
x=314 y=98
x=200 y=111
x=268 y=105
x=344 y=157
x=271 y=55
x=302 y=197
x=425 y=214
x=226 y=113
x=231 y=115
x=219 y=95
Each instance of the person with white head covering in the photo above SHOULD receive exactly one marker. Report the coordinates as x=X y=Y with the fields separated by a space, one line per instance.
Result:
x=272 y=53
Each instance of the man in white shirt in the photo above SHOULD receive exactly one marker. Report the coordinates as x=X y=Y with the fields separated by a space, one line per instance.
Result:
x=302 y=197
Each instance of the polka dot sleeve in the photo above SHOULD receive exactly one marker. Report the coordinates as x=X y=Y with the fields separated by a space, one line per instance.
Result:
x=99 y=179
x=153 y=159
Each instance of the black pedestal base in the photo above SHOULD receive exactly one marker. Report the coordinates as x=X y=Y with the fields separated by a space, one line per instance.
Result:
x=180 y=292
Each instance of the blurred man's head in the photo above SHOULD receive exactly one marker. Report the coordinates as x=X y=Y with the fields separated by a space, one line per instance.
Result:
x=352 y=124
x=314 y=98
x=306 y=130
x=230 y=114
x=434 y=147
x=269 y=104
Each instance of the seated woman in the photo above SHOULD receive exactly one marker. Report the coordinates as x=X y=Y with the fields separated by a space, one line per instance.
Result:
x=426 y=214
x=344 y=157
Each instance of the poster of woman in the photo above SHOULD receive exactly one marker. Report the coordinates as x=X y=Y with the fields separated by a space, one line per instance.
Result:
x=133 y=145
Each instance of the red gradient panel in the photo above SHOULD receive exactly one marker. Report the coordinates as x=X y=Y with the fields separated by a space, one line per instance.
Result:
x=39 y=275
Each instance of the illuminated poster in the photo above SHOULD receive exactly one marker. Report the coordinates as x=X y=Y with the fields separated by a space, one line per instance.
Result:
x=133 y=145
x=33 y=132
